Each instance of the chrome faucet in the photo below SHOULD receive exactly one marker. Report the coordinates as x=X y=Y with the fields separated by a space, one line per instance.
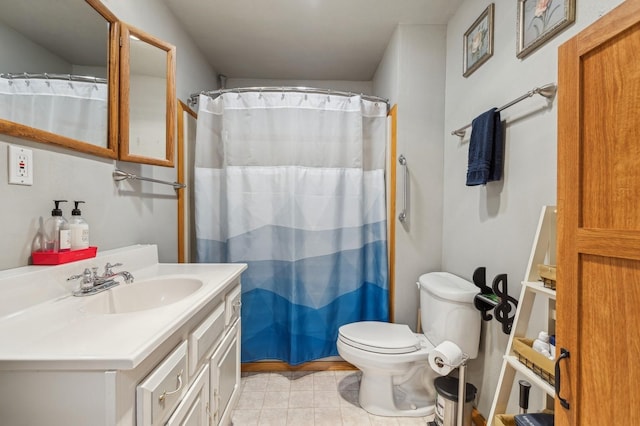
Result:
x=93 y=283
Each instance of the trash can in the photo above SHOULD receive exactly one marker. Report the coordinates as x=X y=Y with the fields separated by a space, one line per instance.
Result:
x=447 y=401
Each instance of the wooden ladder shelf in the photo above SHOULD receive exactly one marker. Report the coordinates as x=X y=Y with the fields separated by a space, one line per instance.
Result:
x=543 y=252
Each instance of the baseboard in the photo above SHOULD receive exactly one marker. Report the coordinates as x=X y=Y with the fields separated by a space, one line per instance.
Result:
x=308 y=366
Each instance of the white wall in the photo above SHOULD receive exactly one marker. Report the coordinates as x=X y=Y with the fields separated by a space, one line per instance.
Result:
x=19 y=54
x=136 y=212
x=412 y=75
x=494 y=225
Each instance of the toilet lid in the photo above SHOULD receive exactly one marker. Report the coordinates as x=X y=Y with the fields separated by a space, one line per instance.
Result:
x=380 y=337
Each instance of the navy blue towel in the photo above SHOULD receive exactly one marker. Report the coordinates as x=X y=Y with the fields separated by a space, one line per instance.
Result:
x=485 y=149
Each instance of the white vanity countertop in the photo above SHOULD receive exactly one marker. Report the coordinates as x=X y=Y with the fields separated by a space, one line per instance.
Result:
x=59 y=333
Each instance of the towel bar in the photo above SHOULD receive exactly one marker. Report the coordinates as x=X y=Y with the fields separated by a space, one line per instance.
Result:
x=119 y=175
x=548 y=91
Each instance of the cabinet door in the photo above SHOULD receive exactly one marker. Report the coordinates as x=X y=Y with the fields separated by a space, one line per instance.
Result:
x=225 y=376
x=194 y=408
x=599 y=221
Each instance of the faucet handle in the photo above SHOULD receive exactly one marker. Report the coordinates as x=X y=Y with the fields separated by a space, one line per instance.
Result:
x=109 y=266
x=87 y=278
x=86 y=275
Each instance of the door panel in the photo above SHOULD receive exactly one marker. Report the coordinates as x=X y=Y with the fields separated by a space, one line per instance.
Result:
x=610 y=187
x=609 y=347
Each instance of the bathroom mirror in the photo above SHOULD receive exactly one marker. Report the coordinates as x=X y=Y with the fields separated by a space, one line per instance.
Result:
x=147 y=98
x=58 y=73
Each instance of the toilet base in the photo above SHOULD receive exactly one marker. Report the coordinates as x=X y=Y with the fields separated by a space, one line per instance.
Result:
x=380 y=396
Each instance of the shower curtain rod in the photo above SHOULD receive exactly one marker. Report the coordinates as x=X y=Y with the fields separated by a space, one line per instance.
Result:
x=48 y=76
x=193 y=99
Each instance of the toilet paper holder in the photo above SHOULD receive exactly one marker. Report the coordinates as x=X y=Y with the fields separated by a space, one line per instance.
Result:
x=486 y=301
x=462 y=383
x=441 y=363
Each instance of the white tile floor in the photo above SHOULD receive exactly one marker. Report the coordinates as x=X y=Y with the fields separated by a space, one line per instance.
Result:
x=314 y=398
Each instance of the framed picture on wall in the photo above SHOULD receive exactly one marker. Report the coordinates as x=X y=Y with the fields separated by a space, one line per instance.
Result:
x=478 y=42
x=541 y=20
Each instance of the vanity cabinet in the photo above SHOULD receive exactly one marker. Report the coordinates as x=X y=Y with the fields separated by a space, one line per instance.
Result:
x=211 y=354
x=187 y=373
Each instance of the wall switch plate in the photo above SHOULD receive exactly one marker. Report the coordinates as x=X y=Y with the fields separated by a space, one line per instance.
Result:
x=20 y=166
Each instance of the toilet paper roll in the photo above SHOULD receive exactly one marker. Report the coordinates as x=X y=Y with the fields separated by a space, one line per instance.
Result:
x=445 y=357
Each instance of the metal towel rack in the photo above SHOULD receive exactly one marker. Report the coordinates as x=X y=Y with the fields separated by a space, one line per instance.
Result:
x=402 y=217
x=548 y=91
x=119 y=175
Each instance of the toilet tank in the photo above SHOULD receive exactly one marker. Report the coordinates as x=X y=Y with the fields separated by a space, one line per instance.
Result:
x=447 y=311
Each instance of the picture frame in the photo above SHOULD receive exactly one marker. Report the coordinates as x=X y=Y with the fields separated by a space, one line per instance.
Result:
x=541 y=20
x=478 y=42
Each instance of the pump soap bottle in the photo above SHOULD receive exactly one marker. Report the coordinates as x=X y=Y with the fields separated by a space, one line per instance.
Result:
x=56 y=230
x=79 y=229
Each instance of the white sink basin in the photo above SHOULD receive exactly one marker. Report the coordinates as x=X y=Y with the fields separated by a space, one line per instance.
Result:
x=141 y=295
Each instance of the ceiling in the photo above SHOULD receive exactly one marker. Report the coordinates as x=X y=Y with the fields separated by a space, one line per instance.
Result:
x=301 y=39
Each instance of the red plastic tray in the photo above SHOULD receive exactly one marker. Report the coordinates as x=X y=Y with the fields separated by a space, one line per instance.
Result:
x=53 y=258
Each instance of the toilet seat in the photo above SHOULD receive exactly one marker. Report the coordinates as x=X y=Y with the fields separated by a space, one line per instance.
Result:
x=380 y=337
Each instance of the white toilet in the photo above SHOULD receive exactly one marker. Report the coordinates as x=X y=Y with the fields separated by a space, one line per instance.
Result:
x=396 y=377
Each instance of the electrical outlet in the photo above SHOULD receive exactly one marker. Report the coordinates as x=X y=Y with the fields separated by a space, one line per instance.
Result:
x=20 y=166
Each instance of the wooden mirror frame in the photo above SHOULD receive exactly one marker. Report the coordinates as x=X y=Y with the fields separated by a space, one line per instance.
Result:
x=111 y=151
x=125 y=53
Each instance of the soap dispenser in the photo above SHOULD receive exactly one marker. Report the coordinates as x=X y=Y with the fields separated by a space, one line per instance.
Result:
x=79 y=229
x=56 y=230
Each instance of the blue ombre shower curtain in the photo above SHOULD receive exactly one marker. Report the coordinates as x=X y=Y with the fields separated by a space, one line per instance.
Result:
x=293 y=184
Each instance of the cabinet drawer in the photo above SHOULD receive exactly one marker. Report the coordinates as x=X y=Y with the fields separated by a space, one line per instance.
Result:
x=194 y=408
x=159 y=393
x=203 y=338
x=233 y=303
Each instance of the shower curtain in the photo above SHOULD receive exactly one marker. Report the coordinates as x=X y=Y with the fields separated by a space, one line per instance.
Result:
x=74 y=109
x=293 y=184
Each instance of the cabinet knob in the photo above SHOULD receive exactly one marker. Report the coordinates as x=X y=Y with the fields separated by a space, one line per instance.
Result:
x=165 y=394
x=236 y=306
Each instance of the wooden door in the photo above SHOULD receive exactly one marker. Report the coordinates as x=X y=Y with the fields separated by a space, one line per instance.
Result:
x=598 y=296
